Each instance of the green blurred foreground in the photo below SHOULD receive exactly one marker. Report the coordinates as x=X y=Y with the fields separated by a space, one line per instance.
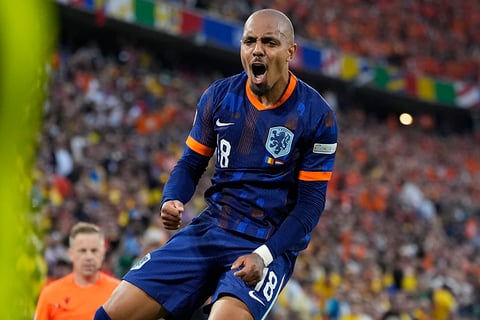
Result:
x=27 y=37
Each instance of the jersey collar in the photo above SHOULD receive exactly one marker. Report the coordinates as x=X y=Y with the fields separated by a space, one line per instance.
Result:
x=286 y=94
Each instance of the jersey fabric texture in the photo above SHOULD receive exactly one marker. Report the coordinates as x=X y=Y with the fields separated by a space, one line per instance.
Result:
x=64 y=299
x=186 y=271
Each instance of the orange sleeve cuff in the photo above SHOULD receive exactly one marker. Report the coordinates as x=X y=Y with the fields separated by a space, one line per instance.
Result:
x=315 y=176
x=198 y=147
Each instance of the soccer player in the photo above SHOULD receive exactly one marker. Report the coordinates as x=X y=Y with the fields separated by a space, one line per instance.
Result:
x=77 y=295
x=275 y=139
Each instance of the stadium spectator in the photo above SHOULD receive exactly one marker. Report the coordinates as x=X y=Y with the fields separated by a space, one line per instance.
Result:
x=78 y=294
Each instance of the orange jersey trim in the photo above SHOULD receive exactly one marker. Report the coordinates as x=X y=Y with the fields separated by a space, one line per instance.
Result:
x=259 y=105
x=198 y=147
x=314 y=176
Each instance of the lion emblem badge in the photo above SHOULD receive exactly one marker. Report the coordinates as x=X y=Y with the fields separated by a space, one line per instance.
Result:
x=279 y=141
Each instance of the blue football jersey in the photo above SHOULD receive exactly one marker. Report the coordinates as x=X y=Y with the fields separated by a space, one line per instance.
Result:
x=262 y=152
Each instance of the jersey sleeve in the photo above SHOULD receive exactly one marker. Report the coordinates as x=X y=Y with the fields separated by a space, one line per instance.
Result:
x=185 y=176
x=202 y=137
x=319 y=153
x=200 y=146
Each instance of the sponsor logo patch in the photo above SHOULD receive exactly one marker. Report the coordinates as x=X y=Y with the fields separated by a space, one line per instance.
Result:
x=141 y=262
x=324 y=148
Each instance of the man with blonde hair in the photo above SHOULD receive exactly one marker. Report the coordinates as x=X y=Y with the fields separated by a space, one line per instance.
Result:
x=77 y=295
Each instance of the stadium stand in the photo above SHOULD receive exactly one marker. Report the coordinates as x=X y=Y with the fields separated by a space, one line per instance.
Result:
x=400 y=234
x=438 y=38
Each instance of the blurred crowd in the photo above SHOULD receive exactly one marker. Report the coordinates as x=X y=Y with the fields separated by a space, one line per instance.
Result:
x=400 y=234
x=439 y=38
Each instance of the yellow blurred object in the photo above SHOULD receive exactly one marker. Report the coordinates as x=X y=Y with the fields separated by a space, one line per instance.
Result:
x=327 y=286
x=94 y=138
x=123 y=218
x=27 y=38
x=409 y=283
x=443 y=304
x=114 y=196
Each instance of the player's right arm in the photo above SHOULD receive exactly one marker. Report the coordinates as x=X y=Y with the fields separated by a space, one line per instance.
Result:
x=184 y=177
x=180 y=187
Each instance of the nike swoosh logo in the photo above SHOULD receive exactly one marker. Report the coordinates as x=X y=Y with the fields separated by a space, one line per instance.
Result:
x=252 y=295
x=223 y=124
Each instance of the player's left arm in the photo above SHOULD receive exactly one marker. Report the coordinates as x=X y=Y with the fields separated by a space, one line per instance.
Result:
x=297 y=225
x=316 y=171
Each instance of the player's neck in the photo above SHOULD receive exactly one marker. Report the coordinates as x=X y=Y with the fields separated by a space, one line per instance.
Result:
x=271 y=97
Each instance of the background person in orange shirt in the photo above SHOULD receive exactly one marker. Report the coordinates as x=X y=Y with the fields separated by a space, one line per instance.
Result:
x=78 y=294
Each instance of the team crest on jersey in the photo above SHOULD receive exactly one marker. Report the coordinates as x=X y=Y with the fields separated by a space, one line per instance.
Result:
x=279 y=141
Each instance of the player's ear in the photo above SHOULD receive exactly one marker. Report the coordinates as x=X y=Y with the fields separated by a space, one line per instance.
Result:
x=291 y=52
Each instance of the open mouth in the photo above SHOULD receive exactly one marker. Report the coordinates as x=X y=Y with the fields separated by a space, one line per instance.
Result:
x=259 y=70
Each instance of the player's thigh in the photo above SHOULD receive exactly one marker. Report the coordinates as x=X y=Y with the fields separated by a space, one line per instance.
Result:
x=228 y=307
x=130 y=302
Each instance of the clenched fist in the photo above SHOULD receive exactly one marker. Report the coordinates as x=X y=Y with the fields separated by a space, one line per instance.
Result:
x=171 y=214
